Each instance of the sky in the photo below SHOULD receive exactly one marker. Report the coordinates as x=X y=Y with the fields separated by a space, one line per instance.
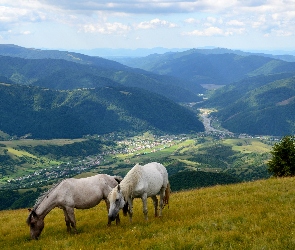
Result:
x=83 y=24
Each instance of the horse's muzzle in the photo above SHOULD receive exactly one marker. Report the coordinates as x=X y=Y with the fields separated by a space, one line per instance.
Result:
x=112 y=217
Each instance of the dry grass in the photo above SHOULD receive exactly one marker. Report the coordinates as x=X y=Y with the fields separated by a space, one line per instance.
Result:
x=256 y=215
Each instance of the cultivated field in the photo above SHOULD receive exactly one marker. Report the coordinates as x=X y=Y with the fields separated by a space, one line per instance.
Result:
x=253 y=215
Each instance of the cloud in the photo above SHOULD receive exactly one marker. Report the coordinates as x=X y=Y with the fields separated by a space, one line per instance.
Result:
x=211 y=31
x=155 y=23
x=235 y=23
x=27 y=32
x=105 y=28
x=140 y=6
x=120 y=28
x=191 y=20
x=16 y=14
x=203 y=18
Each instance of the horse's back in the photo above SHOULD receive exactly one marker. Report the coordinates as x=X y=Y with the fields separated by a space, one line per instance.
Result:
x=156 y=176
x=86 y=192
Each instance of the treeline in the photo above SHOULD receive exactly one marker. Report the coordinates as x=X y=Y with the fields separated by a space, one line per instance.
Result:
x=76 y=149
x=197 y=179
x=224 y=156
x=11 y=199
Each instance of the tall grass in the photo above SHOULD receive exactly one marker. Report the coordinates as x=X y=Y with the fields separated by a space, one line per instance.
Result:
x=256 y=215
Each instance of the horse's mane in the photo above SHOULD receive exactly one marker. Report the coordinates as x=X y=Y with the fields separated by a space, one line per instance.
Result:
x=39 y=200
x=44 y=194
x=130 y=181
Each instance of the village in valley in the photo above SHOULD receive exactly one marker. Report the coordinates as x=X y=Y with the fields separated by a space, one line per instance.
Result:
x=127 y=148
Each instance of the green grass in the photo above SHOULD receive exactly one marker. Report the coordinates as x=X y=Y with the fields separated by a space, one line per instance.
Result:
x=30 y=142
x=19 y=153
x=158 y=154
x=248 y=145
x=254 y=215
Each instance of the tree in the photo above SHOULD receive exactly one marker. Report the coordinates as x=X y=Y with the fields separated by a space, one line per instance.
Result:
x=283 y=158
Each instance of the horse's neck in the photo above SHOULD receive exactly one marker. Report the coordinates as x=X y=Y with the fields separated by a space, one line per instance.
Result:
x=125 y=189
x=47 y=204
x=129 y=184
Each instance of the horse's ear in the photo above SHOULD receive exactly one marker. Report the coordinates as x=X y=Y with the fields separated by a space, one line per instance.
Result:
x=33 y=214
x=118 y=178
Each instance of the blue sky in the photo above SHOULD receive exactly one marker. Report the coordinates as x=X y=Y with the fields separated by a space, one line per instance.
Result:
x=77 y=24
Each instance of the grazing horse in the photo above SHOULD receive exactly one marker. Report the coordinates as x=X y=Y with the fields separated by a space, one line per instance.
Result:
x=140 y=182
x=69 y=194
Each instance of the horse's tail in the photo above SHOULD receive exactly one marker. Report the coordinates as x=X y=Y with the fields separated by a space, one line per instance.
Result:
x=167 y=195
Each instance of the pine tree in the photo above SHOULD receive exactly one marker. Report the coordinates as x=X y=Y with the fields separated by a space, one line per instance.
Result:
x=282 y=163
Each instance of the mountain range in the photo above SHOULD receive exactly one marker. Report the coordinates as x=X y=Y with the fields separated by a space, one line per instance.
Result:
x=69 y=70
x=257 y=96
x=215 y=66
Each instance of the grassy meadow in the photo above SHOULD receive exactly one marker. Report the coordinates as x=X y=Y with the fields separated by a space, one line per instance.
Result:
x=252 y=215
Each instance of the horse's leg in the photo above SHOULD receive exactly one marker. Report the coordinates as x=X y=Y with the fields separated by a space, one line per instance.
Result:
x=144 y=206
x=118 y=220
x=107 y=204
x=155 y=201
x=67 y=220
x=130 y=211
x=71 y=215
x=108 y=208
x=162 y=194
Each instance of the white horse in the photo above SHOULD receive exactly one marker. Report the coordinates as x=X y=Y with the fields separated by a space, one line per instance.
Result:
x=69 y=194
x=140 y=182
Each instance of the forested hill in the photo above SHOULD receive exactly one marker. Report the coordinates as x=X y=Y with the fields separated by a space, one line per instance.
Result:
x=217 y=66
x=35 y=112
x=67 y=70
x=263 y=105
x=12 y=50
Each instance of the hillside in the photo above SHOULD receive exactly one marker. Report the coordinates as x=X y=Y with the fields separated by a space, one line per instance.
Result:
x=261 y=105
x=217 y=66
x=68 y=70
x=42 y=113
x=253 y=215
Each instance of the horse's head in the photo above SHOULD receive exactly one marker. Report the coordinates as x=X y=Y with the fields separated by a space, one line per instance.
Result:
x=116 y=201
x=36 y=224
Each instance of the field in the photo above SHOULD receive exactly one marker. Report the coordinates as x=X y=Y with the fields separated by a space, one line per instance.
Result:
x=252 y=215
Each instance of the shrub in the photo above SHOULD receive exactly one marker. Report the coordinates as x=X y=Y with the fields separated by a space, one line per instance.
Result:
x=283 y=158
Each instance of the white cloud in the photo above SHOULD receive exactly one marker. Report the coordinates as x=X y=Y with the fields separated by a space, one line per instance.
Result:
x=142 y=6
x=105 y=28
x=155 y=23
x=211 y=31
x=235 y=23
x=15 y=14
x=191 y=20
x=283 y=33
x=27 y=32
x=199 y=18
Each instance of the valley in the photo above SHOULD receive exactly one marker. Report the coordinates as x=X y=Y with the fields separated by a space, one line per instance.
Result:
x=208 y=123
